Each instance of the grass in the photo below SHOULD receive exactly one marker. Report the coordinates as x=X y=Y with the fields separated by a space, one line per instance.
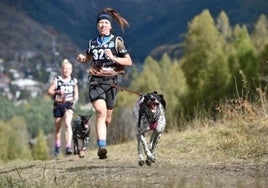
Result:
x=232 y=149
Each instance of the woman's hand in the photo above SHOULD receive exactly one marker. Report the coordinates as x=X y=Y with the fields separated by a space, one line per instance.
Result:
x=58 y=92
x=81 y=58
x=109 y=54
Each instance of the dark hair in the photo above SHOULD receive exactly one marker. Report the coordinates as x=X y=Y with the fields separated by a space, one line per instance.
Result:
x=115 y=15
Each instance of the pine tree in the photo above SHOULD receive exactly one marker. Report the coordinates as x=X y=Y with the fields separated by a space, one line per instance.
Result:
x=260 y=34
x=21 y=139
x=147 y=81
x=223 y=25
x=40 y=149
x=4 y=132
x=260 y=40
x=173 y=86
x=205 y=62
x=247 y=74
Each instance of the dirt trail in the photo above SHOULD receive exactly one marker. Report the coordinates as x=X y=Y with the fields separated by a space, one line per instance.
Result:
x=121 y=169
x=179 y=164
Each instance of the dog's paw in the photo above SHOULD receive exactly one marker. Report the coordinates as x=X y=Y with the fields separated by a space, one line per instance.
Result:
x=141 y=163
x=152 y=158
x=82 y=154
x=102 y=153
x=148 y=162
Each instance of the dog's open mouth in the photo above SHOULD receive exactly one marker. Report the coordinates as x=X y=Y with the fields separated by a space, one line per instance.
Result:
x=153 y=106
x=86 y=124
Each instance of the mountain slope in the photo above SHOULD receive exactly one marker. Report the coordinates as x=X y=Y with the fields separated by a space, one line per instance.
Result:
x=153 y=23
x=22 y=36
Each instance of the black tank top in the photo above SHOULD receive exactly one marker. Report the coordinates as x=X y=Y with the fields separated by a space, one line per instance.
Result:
x=101 y=65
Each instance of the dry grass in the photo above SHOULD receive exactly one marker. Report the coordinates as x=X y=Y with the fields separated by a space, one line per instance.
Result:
x=224 y=153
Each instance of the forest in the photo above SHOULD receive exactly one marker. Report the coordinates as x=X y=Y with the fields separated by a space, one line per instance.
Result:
x=220 y=64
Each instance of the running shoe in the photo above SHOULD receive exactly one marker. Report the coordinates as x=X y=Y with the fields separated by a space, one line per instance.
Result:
x=68 y=151
x=102 y=153
x=56 y=151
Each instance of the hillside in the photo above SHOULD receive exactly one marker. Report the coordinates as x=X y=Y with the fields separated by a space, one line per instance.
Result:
x=229 y=151
x=153 y=23
x=222 y=154
x=21 y=34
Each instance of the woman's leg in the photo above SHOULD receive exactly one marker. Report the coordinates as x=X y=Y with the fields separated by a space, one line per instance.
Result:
x=68 y=116
x=101 y=114
x=58 y=122
x=109 y=117
x=101 y=129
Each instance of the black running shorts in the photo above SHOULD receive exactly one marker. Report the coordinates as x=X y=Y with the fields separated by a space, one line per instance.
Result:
x=60 y=108
x=101 y=88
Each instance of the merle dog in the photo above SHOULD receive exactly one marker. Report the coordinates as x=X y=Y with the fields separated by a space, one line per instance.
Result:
x=149 y=113
x=81 y=133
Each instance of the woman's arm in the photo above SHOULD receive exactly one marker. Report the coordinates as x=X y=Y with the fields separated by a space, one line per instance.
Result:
x=51 y=90
x=76 y=94
x=126 y=60
x=84 y=58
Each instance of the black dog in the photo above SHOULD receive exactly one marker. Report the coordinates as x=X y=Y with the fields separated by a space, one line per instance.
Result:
x=81 y=132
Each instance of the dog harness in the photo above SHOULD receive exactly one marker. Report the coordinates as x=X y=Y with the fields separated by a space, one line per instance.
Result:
x=101 y=65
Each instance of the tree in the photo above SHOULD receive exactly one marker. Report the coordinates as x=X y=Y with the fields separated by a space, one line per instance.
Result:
x=4 y=131
x=263 y=60
x=40 y=149
x=20 y=138
x=8 y=109
x=260 y=34
x=147 y=80
x=247 y=73
x=223 y=25
x=38 y=114
x=260 y=40
x=205 y=63
x=174 y=87
x=14 y=140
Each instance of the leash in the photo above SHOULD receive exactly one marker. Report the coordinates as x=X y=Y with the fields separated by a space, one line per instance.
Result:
x=118 y=87
x=125 y=89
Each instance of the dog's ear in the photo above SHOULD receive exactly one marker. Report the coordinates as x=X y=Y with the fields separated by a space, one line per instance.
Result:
x=163 y=101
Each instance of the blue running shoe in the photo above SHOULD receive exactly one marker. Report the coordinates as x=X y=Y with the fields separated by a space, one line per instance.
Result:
x=56 y=151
